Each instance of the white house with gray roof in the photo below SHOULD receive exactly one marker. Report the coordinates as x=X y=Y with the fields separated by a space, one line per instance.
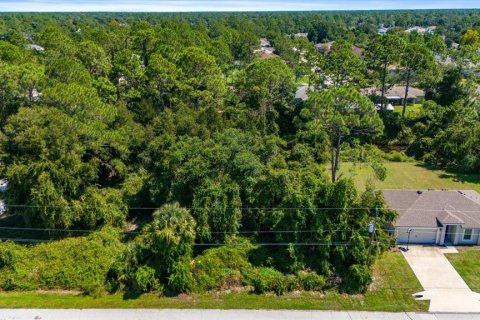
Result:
x=436 y=216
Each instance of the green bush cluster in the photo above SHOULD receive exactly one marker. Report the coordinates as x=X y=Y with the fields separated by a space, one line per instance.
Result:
x=75 y=264
x=159 y=258
x=101 y=262
x=310 y=281
x=222 y=266
x=229 y=265
x=395 y=156
x=356 y=279
x=270 y=280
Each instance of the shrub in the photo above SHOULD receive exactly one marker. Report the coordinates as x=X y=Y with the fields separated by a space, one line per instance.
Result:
x=161 y=254
x=181 y=279
x=311 y=281
x=356 y=279
x=469 y=164
x=270 y=280
x=395 y=156
x=10 y=253
x=144 y=279
x=217 y=266
x=75 y=263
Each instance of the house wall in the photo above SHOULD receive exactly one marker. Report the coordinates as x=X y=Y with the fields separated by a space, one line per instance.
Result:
x=459 y=237
x=417 y=235
x=435 y=235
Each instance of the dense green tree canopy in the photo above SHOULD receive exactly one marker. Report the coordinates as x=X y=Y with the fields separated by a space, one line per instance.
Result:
x=105 y=117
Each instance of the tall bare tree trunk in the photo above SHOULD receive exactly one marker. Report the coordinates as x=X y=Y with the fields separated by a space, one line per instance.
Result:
x=407 y=85
x=384 y=79
x=335 y=159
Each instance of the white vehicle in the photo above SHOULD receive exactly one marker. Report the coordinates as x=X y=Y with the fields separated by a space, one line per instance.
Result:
x=3 y=185
x=388 y=107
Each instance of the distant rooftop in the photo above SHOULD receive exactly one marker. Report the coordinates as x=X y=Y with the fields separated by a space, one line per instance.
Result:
x=35 y=47
x=423 y=30
x=397 y=92
x=302 y=92
x=327 y=47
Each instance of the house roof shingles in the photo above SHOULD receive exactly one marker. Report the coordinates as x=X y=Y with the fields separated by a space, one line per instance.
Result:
x=426 y=208
x=396 y=92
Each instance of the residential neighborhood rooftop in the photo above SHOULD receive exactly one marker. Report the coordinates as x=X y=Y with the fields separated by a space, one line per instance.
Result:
x=302 y=92
x=35 y=47
x=326 y=47
x=426 y=208
x=422 y=30
x=396 y=92
x=301 y=35
x=264 y=42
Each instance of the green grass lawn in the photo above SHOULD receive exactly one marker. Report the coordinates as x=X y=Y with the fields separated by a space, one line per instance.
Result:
x=467 y=263
x=411 y=175
x=391 y=291
x=411 y=112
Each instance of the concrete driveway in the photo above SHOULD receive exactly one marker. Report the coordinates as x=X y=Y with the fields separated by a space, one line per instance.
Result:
x=444 y=287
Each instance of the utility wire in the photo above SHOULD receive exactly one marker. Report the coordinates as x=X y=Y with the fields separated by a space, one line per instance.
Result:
x=195 y=208
x=213 y=232
x=418 y=231
x=251 y=208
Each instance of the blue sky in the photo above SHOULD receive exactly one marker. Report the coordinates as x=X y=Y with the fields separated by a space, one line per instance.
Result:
x=228 y=5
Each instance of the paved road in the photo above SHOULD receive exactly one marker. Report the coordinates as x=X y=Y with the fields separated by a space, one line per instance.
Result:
x=144 y=314
x=444 y=287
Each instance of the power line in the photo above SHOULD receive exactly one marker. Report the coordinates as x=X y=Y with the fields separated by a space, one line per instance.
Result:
x=264 y=244
x=252 y=208
x=198 y=208
x=24 y=240
x=418 y=231
x=212 y=232
x=281 y=244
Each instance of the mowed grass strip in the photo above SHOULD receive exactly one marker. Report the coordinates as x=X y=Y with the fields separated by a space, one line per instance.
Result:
x=467 y=264
x=393 y=285
x=410 y=175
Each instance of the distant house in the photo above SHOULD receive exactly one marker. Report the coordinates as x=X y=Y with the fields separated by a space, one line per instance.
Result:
x=422 y=30
x=444 y=61
x=396 y=95
x=264 y=43
x=33 y=95
x=324 y=47
x=266 y=50
x=358 y=51
x=435 y=216
x=382 y=31
x=301 y=35
x=471 y=68
x=392 y=69
x=327 y=47
x=35 y=47
x=267 y=55
x=302 y=92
